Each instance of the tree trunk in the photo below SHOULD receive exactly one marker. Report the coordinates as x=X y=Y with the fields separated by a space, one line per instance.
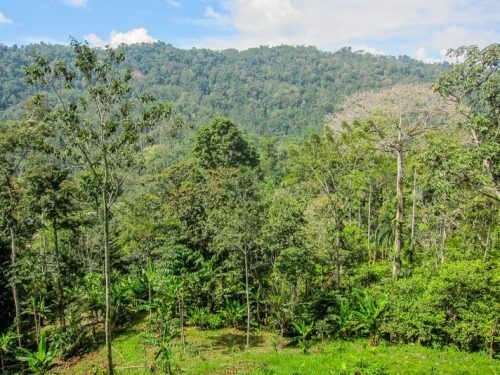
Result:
x=14 y=284
x=413 y=215
x=247 y=293
x=398 y=241
x=107 y=270
x=150 y=298
x=60 y=292
x=181 y=319
x=337 y=261
x=444 y=236
x=368 y=230
x=375 y=245
x=35 y=317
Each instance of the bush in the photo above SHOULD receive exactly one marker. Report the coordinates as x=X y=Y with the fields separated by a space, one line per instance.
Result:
x=74 y=339
x=458 y=306
x=215 y=321
x=199 y=317
x=369 y=274
x=203 y=319
x=234 y=314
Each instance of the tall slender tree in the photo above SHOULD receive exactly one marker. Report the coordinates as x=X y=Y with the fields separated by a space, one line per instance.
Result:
x=395 y=117
x=102 y=125
x=18 y=140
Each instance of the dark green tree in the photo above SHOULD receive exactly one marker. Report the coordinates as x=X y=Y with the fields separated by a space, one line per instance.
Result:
x=17 y=142
x=52 y=194
x=221 y=144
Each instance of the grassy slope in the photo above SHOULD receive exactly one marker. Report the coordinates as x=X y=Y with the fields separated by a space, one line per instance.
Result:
x=221 y=352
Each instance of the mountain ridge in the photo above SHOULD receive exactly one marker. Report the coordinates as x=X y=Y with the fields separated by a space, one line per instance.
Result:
x=277 y=90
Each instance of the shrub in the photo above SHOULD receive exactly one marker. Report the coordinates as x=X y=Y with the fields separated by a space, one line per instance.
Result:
x=199 y=317
x=215 y=321
x=203 y=319
x=458 y=306
x=234 y=314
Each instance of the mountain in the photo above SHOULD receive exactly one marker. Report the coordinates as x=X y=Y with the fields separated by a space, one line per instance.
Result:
x=267 y=90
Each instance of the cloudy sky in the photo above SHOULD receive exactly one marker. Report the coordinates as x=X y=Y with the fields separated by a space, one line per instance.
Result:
x=423 y=29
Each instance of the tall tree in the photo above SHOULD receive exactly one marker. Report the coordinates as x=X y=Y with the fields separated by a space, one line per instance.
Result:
x=395 y=117
x=221 y=144
x=102 y=124
x=17 y=141
x=52 y=194
x=322 y=159
x=474 y=85
x=235 y=220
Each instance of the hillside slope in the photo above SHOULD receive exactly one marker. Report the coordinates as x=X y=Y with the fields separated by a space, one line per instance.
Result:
x=277 y=90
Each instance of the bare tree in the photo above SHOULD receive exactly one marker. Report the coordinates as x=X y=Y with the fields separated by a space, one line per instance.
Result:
x=395 y=116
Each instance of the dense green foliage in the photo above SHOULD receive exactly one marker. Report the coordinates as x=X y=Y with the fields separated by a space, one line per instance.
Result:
x=279 y=90
x=107 y=219
x=220 y=144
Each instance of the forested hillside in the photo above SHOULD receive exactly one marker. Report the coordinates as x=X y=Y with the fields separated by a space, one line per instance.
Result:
x=369 y=245
x=278 y=90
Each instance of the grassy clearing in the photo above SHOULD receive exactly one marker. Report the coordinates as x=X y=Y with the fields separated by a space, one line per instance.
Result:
x=222 y=352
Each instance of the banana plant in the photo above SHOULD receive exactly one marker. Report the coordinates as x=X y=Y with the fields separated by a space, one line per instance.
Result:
x=233 y=313
x=303 y=338
x=368 y=317
x=344 y=317
x=41 y=361
x=164 y=353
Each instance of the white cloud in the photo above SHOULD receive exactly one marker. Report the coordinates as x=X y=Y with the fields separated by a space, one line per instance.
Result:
x=368 y=49
x=452 y=37
x=76 y=3
x=211 y=18
x=4 y=18
x=421 y=54
x=139 y=35
x=95 y=41
x=455 y=36
x=336 y=23
x=174 y=3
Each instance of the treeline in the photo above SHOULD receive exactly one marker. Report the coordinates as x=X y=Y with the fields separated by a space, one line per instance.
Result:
x=382 y=225
x=279 y=90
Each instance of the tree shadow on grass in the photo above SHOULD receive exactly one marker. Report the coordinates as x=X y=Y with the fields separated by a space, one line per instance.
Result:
x=234 y=340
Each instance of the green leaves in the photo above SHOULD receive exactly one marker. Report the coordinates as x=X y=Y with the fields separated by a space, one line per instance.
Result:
x=7 y=340
x=368 y=316
x=303 y=338
x=42 y=360
x=474 y=85
x=221 y=144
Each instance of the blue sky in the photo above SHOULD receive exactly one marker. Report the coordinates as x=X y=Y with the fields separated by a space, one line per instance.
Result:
x=424 y=29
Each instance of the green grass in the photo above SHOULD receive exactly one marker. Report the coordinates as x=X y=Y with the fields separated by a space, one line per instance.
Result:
x=222 y=352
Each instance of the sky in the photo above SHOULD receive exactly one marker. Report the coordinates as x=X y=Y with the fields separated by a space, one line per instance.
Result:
x=423 y=29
